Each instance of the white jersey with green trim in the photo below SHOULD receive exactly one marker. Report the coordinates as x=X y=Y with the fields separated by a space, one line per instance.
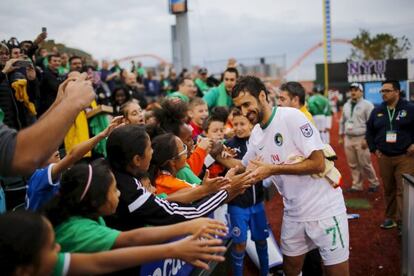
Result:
x=287 y=138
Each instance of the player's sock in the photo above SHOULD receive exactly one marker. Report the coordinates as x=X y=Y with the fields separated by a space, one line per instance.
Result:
x=261 y=249
x=237 y=263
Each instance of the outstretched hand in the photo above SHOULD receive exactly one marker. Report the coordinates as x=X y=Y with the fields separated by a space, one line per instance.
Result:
x=212 y=227
x=259 y=170
x=198 y=251
x=215 y=184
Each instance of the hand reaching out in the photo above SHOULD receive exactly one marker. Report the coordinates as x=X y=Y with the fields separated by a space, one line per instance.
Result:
x=215 y=184
x=115 y=123
x=198 y=251
x=211 y=227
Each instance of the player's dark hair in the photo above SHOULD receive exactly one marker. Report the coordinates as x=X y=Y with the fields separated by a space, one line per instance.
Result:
x=249 y=84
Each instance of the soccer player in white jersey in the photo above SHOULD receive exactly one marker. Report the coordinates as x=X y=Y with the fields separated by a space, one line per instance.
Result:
x=284 y=142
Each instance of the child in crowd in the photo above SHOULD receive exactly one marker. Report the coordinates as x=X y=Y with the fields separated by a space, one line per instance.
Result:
x=133 y=113
x=129 y=154
x=214 y=130
x=35 y=252
x=198 y=112
x=169 y=156
x=247 y=210
x=89 y=192
x=44 y=183
x=171 y=119
x=120 y=96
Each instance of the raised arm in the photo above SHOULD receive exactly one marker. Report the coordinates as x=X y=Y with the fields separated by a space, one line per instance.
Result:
x=158 y=234
x=191 y=249
x=35 y=144
x=81 y=149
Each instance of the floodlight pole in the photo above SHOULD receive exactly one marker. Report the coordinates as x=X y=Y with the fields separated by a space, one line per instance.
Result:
x=181 y=42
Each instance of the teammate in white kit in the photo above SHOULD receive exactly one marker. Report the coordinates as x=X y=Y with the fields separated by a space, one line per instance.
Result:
x=284 y=142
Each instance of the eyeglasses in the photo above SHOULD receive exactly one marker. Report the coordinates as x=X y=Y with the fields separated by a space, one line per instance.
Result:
x=386 y=90
x=184 y=151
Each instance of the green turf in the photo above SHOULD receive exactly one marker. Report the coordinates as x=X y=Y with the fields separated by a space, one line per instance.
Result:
x=357 y=203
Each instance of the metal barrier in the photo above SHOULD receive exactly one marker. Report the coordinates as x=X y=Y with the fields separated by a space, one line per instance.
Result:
x=407 y=264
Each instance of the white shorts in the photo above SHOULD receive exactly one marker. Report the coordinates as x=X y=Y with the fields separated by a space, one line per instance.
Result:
x=330 y=235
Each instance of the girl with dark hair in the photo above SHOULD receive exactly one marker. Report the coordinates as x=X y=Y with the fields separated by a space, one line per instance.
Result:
x=35 y=252
x=171 y=118
x=89 y=192
x=129 y=154
x=169 y=156
x=119 y=97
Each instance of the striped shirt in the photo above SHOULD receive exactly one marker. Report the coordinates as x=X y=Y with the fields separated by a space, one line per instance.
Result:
x=138 y=207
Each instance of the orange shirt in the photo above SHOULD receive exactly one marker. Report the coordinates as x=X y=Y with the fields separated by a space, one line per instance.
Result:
x=167 y=183
x=196 y=160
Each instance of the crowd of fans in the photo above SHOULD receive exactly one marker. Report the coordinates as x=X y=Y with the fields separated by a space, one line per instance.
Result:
x=106 y=150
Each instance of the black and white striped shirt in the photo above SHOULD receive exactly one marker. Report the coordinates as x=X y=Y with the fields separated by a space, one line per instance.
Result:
x=138 y=207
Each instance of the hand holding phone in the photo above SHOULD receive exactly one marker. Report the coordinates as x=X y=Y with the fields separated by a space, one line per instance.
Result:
x=22 y=63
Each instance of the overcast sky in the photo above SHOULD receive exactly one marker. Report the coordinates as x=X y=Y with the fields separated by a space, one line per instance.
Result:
x=218 y=28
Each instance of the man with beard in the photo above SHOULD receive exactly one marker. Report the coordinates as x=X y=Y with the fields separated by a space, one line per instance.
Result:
x=221 y=95
x=390 y=135
x=75 y=64
x=285 y=143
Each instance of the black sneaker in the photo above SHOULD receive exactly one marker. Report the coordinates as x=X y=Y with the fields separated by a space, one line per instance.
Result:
x=388 y=224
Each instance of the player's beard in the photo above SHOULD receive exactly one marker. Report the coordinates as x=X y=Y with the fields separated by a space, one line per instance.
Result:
x=256 y=116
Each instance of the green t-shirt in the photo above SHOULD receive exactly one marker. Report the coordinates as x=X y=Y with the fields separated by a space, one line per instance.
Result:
x=62 y=264
x=217 y=96
x=79 y=234
x=188 y=175
x=178 y=94
x=202 y=85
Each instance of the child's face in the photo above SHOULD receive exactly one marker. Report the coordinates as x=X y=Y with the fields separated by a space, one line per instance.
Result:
x=242 y=126
x=181 y=158
x=48 y=254
x=120 y=97
x=186 y=135
x=135 y=115
x=112 y=199
x=199 y=114
x=145 y=160
x=216 y=131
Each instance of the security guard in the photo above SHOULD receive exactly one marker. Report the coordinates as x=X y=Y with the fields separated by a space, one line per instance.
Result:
x=390 y=134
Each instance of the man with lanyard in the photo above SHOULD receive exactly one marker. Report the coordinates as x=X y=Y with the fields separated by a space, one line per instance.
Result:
x=284 y=143
x=390 y=134
x=221 y=95
x=352 y=128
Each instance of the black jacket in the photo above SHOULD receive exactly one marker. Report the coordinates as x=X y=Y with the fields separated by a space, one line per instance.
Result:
x=403 y=123
x=49 y=85
x=8 y=104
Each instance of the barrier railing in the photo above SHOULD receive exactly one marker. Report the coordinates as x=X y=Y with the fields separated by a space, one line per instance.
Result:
x=407 y=263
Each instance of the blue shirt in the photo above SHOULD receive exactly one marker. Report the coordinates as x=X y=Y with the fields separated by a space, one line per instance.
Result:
x=41 y=188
